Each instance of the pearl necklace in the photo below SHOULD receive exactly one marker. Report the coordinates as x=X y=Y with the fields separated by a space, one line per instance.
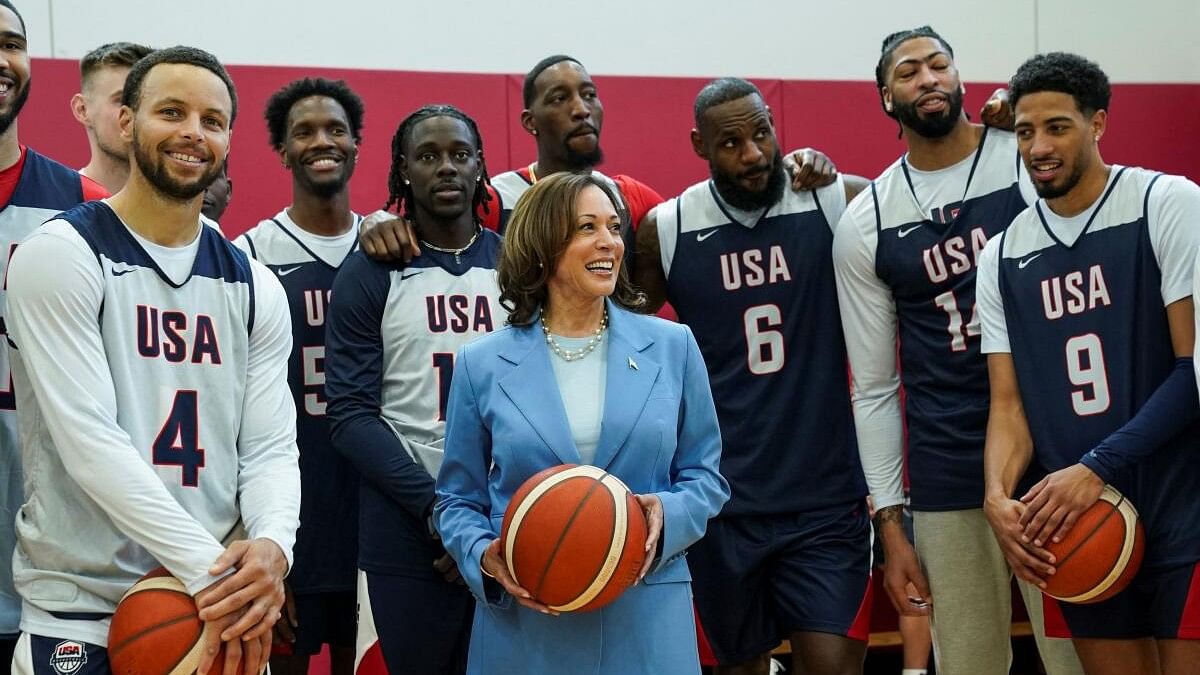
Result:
x=456 y=252
x=567 y=354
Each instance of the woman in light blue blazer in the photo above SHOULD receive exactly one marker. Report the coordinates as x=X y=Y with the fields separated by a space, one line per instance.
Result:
x=577 y=378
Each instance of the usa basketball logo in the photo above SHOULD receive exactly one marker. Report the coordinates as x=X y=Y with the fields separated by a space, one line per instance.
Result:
x=68 y=657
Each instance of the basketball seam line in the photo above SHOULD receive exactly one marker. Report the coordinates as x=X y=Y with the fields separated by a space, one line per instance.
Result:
x=146 y=631
x=1115 y=509
x=563 y=535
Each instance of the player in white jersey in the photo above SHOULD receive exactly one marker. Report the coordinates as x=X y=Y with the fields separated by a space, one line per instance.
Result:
x=905 y=255
x=150 y=363
x=315 y=125
x=1088 y=317
x=33 y=188
x=393 y=331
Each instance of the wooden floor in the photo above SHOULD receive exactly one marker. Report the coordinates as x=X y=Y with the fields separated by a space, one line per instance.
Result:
x=892 y=638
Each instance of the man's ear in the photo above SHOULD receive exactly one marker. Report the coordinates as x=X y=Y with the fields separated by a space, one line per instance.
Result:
x=79 y=109
x=698 y=145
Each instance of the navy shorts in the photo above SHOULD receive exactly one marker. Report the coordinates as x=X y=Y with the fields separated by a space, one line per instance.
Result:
x=40 y=655
x=757 y=579
x=424 y=624
x=1162 y=604
x=324 y=618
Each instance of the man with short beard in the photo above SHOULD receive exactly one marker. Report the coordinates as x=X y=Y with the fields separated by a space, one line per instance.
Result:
x=1086 y=306
x=149 y=363
x=563 y=112
x=315 y=126
x=747 y=264
x=905 y=256
x=97 y=107
x=32 y=189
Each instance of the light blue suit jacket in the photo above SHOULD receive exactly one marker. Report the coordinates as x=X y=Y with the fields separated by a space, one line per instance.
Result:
x=506 y=421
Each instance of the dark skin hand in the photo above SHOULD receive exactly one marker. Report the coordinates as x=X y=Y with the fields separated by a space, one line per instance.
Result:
x=998 y=112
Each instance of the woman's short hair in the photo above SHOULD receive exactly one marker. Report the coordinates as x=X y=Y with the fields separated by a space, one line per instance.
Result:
x=541 y=225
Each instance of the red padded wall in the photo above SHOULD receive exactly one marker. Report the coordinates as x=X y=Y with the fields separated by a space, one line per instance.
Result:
x=647 y=120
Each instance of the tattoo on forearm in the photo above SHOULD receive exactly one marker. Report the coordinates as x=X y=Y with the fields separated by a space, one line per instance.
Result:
x=889 y=514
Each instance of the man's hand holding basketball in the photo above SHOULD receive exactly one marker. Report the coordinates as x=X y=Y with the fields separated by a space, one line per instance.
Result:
x=1057 y=501
x=493 y=565
x=256 y=586
x=1029 y=562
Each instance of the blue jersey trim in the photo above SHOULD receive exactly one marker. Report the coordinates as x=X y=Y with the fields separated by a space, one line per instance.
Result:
x=1088 y=225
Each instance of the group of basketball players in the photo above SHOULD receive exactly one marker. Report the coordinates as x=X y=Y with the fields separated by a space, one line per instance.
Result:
x=150 y=353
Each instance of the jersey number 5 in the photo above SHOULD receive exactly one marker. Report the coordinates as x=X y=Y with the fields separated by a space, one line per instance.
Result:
x=178 y=443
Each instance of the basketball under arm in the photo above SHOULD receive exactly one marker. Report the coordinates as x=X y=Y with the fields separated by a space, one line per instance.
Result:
x=868 y=313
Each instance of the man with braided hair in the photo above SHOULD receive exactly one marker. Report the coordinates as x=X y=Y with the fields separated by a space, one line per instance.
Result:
x=315 y=126
x=393 y=331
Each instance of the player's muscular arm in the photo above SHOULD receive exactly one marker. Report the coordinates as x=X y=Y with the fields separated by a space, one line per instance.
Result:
x=649 y=274
x=1007 y=452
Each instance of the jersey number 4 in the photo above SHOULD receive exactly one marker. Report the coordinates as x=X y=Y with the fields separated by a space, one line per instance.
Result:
x=178 y=443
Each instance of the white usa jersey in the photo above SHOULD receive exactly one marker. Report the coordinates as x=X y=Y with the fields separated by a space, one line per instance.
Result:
x=392 y=336
x=147 y=452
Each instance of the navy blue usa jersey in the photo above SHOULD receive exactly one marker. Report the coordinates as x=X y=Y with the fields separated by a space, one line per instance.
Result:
x=761 y=300
x=326 y=544
x=928 y=260
x=1090 y=342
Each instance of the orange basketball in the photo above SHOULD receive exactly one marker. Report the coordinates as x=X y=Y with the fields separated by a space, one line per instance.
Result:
x=574 y=537
x=1101 y=554
x=156 y=629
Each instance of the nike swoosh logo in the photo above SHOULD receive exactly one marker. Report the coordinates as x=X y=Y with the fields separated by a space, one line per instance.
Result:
x=1021 y=265
x=905 y=232
x=117 y=273
x=406 y=275
x=705 y=235
x=284 y=272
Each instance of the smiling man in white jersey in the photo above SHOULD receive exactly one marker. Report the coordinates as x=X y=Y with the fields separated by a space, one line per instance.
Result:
x=150 y=364
x=315 y=126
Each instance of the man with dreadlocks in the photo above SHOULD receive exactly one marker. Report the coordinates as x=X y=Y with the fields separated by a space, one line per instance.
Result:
x=904 y=256
x=315 y=127
x=391 y=338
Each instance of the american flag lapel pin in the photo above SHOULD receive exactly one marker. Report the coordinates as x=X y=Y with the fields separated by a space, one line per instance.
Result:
x=632 y=364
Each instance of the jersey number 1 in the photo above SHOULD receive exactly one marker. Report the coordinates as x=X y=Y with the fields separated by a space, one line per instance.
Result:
x=178 y=444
